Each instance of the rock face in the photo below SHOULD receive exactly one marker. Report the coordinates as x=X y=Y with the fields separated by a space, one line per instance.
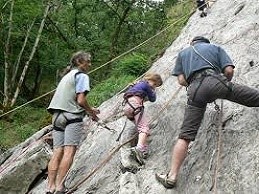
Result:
x=219 y=161
x=25 y=164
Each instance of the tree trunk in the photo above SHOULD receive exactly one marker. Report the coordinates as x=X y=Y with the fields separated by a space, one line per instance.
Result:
x=31 y=55
x=17 y=64
x=29 y=91
x=61 y=34
x=7 y=78
x=115 y=36
x=37 y=81
x=75 y=18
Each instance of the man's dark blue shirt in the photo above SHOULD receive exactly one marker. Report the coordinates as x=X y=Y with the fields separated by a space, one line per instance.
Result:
x=189 y=62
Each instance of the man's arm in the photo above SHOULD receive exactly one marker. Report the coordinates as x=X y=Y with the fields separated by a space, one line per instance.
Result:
x=178 y=71
x=229 y=72
x=181 y=80
x=82 y=101
x=226 y=63
x=82 y=88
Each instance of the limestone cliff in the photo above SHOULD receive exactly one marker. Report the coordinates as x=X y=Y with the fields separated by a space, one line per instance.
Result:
x=232 y=160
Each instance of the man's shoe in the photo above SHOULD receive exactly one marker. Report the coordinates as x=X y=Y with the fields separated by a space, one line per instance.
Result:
x=203 y=14
x=165 y=181
x=63 y=191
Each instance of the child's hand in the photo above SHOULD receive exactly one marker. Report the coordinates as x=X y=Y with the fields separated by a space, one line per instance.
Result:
x=152 y=84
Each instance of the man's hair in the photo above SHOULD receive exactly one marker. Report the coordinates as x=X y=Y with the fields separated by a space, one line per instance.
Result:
x=79 y=57
x=154 y=77
x=200 y=39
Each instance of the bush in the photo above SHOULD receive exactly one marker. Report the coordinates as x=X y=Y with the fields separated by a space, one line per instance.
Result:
x=134 y=65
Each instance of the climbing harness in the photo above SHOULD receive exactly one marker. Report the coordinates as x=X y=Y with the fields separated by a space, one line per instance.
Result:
x=217 y=69
x=136 y=111
x=77 y=120
x=68 y=121
x=214 y=71
x=203 y=74
x=200 y=74
x=124 y=126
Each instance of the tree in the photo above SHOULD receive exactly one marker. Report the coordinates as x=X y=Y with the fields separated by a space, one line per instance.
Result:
x=38 y=38
x=11 y=68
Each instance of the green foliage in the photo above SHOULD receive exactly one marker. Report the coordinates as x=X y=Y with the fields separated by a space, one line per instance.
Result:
x=180 y=10
x=108 y=88
x=23 y=15
x=76 y=25
x=125 y=71
x=22 y=125
x=134 y=64
x=177 y=15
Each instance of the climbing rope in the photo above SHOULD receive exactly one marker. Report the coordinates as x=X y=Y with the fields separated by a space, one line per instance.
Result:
x=118 y=110
x=219 y=141
x=99 y=166
x=18 y=107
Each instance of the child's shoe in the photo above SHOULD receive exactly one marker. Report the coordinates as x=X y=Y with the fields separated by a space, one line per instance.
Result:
x=138 y=155
x=145 y=154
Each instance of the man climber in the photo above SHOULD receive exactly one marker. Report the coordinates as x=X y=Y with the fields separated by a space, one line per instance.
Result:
x=68 y=106
x=206 y=70
x=202 y=6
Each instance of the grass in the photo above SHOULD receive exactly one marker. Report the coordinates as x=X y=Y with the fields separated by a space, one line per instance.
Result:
x=108 y=89
x=21 y=125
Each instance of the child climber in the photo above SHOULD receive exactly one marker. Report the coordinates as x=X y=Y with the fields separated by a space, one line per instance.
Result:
x=202 y=6
x=134 y=111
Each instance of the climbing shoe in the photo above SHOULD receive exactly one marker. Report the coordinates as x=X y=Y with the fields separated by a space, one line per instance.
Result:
x=138 y=155
x=165 y=181
x=145 y=155
x=203 y=14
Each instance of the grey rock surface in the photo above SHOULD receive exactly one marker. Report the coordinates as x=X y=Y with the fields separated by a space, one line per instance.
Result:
x=232 y=24
x=21 y=165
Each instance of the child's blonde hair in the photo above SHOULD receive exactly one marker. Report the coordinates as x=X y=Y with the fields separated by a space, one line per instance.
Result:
x=154 y=77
